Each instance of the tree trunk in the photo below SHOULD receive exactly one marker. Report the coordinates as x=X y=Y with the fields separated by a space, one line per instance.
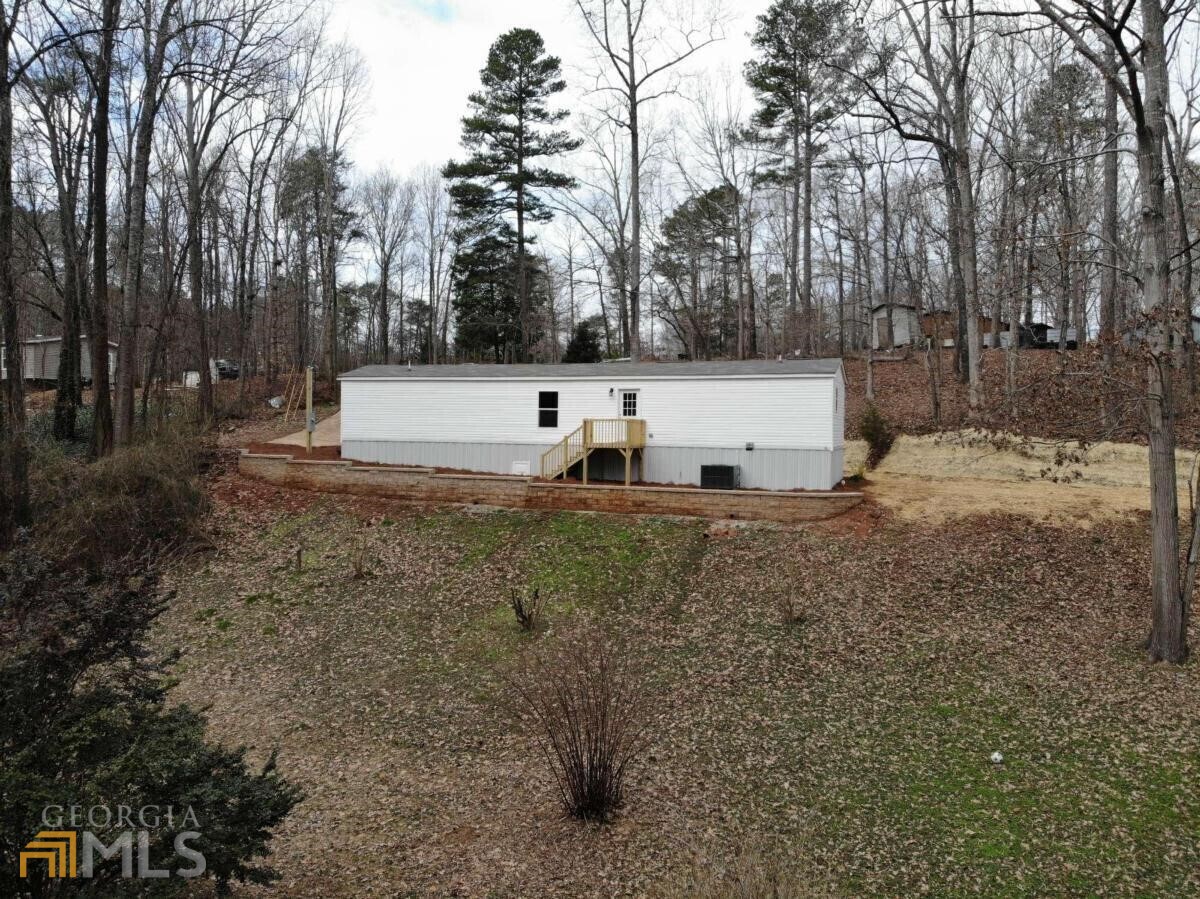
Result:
x=102 y=417
x=789 y=320
x=131 y=297
x=635 y=236
x=196 y=288
x=967 y=247
x=14 y=453
x=1108 y=227
x=384 y=316
x=957 y=282
x=810 y=330
x=1030 y=249
x=1064 y=263
x=1014 y=333
x=1168 y=631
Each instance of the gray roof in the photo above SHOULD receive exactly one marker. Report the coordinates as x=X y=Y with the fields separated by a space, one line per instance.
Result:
x=604 y=370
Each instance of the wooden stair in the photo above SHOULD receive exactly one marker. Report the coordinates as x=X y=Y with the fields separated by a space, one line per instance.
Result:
x=622 y=434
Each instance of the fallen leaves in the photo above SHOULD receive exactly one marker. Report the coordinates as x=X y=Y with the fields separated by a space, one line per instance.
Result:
x=856 y=737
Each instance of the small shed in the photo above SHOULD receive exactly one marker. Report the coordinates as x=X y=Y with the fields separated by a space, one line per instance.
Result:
x=777 y=424
x=894 y=325
x=40 y=358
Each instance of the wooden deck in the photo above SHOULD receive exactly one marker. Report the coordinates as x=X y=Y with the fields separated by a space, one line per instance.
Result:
x=622 y=434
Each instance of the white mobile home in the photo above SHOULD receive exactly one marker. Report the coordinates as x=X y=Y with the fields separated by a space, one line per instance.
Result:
x=780 y=423
x=40 y=356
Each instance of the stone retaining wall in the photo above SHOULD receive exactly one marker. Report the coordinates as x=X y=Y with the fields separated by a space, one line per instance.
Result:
x=425 y=485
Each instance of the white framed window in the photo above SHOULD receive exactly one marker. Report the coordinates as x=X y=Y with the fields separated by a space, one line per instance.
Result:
x=629 y=404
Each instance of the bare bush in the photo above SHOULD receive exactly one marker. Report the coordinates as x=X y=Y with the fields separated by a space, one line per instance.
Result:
x=528 y=610
x=790 y=610
x=588 y=710
x=358 y=562
x=144 y=499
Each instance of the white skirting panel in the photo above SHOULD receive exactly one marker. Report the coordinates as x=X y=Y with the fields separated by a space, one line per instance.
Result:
x=763 y=469
x=767 y=469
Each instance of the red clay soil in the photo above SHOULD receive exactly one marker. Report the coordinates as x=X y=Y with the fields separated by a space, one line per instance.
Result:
x=318 y=454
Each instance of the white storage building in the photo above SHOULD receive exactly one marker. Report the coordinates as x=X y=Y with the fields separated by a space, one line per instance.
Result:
x=894 y=325
x=780 y=423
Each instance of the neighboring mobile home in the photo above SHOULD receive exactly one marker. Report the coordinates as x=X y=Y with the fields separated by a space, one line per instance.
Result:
x=41 y=355
x=780 y=423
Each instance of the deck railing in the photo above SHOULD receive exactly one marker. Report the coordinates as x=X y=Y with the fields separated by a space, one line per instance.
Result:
x=624 y=434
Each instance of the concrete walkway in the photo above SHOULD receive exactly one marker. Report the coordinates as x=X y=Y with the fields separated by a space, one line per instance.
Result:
x=328 y=433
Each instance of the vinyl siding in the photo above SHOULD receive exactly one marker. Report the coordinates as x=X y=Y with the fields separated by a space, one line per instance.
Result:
x=771 y=413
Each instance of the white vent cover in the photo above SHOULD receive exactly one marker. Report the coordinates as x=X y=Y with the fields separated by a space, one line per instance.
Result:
x=521 y=467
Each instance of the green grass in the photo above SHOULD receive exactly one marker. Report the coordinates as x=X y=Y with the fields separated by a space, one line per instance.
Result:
x=476 y=535
x=1049 y=798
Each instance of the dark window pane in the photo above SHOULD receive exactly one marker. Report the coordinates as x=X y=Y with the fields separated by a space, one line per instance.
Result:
x=547 y=399
x=547 y=418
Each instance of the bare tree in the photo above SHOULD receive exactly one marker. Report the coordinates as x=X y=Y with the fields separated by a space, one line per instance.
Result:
x=434 y=206
x=388 y=204
x=59 y=97
x=338 y=103
x=638 y=44
x=102 y=423
x=221 y=67
x=14 y=452
x=1140 y=80
x=158 y=24
x=922 y=91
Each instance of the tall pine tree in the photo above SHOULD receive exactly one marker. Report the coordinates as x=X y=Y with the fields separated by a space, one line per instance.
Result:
x=509 y=135
x=584 y=345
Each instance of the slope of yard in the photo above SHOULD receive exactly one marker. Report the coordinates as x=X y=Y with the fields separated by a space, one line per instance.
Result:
x=854 y=744
x=1056 y=399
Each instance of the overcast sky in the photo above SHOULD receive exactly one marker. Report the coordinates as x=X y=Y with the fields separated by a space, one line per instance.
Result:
x=425 y=55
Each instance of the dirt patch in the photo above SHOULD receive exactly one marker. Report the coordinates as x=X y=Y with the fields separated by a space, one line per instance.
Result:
x=860 y=521
x=939 y=499
x=968 y=454
x=952 y=475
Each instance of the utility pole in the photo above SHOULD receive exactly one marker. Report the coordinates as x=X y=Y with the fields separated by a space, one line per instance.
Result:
x=310 y=420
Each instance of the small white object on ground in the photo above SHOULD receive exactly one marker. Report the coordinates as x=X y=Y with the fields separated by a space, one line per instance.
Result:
x=997 y=758
x=275 y=402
